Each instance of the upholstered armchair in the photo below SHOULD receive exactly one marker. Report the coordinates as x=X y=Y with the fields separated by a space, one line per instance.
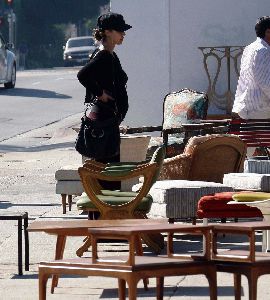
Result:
x=206 y=158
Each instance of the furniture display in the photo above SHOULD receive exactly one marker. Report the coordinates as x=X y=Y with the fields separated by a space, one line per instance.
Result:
x=133 y=148
x=206 y=158
x=217 y=206
x=67 y=228
x=178 y=199
x=133 y=268
x=118 y=204
x=248 y=262
x=20 y=217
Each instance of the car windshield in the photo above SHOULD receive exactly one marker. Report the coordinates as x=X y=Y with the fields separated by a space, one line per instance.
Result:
x=81 y=42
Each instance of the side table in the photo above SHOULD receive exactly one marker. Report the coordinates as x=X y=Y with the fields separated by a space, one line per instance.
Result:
x=19 y=216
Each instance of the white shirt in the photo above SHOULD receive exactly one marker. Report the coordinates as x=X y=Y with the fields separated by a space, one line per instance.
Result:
x=252 y=98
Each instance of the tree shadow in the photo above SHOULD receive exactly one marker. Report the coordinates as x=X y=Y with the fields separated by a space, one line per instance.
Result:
x=25 y=92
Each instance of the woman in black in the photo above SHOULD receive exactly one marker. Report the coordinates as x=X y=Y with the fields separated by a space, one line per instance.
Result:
x=104 y=79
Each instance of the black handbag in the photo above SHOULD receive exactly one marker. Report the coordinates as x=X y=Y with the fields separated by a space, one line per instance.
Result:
x=98 y=139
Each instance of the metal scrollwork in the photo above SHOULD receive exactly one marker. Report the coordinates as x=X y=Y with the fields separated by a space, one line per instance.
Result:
x=229 y=55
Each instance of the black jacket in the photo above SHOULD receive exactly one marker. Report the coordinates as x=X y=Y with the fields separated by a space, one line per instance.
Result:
x=104 y=72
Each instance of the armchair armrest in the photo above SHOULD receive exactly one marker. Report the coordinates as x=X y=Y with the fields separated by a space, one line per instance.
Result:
x=176 y=168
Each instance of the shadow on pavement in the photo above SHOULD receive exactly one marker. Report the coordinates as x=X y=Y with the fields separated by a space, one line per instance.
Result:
x=23 y=92
x=12 y=148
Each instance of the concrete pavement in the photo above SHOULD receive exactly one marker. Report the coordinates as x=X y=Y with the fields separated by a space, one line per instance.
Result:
x=27 y=166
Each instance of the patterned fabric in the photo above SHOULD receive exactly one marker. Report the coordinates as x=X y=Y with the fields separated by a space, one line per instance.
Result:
x=182 y=107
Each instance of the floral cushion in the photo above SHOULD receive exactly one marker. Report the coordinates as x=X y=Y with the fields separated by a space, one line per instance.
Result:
x=182 y=107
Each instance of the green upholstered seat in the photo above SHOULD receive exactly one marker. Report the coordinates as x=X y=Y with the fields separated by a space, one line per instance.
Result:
x=115 y=198
x=118 y=197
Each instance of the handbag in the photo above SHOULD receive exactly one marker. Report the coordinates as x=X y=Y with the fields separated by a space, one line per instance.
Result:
x=98 y=139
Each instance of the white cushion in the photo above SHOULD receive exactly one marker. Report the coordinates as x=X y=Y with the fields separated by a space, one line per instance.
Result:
x=179 y=198
x=68 y=173
x=248 y=181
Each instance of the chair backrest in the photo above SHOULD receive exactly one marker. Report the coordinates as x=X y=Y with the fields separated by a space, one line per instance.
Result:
x=183 y=107
x=158 y=157
x=212 y=156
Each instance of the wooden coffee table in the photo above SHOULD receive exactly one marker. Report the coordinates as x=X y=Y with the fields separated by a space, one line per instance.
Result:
x=63 y=229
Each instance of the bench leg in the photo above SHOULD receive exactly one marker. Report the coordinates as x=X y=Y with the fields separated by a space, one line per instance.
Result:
x=26 y=244
x=64 y=203
x=69 y=202
x=20 y=246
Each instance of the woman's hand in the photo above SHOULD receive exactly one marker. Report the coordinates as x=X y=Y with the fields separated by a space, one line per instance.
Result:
x=105 y=97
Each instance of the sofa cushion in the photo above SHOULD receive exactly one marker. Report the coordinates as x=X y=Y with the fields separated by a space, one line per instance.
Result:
x=216 y=206
x=179 y=198
x=69 y=172
x=115 y=198
x=248 y=181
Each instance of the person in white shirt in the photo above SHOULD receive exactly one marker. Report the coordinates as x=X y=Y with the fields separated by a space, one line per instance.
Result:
x=252 y=98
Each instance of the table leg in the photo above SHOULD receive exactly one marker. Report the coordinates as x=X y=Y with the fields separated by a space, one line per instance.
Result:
x=266 y=236
x=26 y=244
x=20 y=246
x=59 y=252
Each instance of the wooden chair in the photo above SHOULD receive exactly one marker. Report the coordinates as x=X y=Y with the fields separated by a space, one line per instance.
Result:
x=206 y=158
x=117 y=204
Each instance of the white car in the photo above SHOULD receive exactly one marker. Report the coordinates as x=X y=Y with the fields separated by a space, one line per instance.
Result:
x=7 y=65
x=78 y=50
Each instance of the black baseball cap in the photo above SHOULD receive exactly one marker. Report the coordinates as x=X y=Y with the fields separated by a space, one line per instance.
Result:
x=112 y=21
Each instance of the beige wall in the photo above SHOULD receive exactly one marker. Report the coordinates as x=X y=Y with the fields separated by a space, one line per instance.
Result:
x=160 y=53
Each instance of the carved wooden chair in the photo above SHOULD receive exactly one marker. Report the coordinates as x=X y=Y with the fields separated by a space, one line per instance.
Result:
x=117 y=204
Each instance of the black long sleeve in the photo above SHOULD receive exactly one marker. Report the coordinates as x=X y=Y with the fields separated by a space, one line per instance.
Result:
x=104 y=72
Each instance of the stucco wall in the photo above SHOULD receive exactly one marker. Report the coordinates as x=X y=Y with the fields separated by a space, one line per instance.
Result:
x=160 y=52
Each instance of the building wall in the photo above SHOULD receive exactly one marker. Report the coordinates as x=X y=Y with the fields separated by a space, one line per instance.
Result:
x=160 y=53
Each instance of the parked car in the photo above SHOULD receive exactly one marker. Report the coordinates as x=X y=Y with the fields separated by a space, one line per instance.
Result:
x=7 y=64
x=78 y=50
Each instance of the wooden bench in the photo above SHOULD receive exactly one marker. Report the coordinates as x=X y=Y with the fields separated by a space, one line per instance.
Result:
x=255 y=133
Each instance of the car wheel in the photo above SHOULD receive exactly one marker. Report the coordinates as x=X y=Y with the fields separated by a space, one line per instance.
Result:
x=11 y=84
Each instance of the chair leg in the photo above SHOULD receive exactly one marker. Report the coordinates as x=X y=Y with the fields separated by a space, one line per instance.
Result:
x=160 y=288
x=69 y=202
x=84 y=247
x=154 y=241
x=64 y=203
x=237 y=286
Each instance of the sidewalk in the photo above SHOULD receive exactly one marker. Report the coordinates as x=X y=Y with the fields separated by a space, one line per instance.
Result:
x=27 y=184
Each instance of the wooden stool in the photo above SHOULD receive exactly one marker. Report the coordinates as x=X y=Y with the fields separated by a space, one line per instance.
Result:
x=19 y=216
